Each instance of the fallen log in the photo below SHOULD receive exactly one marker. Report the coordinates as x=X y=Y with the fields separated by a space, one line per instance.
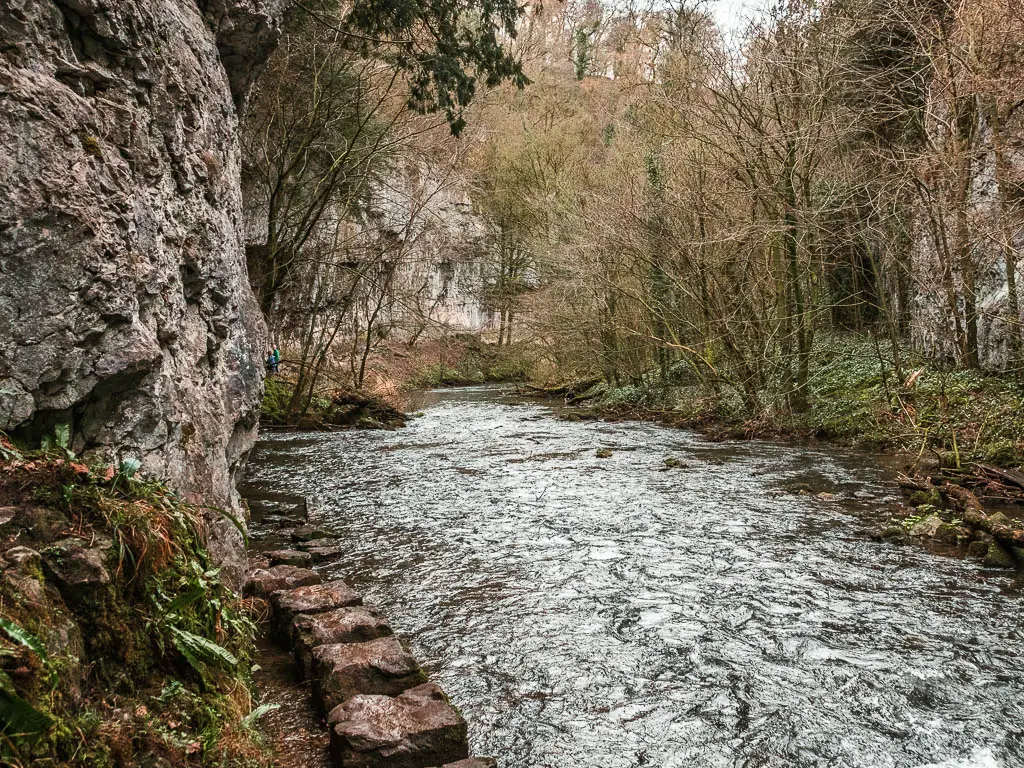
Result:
x=969 y=507
x=572 y=389
x=974 y=515
x=1008 y=476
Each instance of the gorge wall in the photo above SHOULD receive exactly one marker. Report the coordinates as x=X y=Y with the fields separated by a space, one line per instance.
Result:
x=995 y=215
x=125 y=311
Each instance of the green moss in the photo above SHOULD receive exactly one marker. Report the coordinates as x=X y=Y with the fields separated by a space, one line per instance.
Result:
x=108 y=708
x=91 y=145
x=277 y=394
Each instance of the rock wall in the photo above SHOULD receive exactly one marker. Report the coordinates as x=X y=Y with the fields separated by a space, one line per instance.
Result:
x=428 y=219
x=124 y=305
x=932 y=328
x=416 y=216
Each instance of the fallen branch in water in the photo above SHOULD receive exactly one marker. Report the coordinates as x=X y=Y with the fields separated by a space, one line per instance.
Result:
x=570 y=390
x=969 y=507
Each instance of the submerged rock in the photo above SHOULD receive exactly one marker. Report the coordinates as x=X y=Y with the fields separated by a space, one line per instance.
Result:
x=415 y=729
x=895 y=533
x=999 y=556
x=263 y=510
x=290 y=557
x=355 y=624
x=316 y=543
x=263 y=581
x=280 y=521
x=309 y=533
x=343 y=670
x=978 y=549
x=323 y=554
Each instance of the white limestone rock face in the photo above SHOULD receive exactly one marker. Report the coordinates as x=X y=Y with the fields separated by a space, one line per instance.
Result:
x=125 y=310
x=932 y=329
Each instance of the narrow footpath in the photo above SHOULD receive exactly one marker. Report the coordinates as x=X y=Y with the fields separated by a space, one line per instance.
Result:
x=347 y=691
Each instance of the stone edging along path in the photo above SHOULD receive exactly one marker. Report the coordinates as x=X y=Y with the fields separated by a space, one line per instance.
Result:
x=379 y=707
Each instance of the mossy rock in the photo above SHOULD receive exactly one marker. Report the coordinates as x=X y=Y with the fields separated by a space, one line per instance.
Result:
x=977 y=550
x=999 y=556
x=927 y=528
x=1004 y=453
x=922 y=498
x=951 y=535
x=895 y=533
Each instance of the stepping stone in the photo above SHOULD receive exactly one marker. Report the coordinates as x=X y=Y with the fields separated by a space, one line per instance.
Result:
x=416 y=729
x=290 y=557
x=356 y=624
x=318 y=598
x=473 y=762
x=322 y=554
x=307 y=545
x=343 y=670
x=279 y=521
x=283 y=505
x=309 y=533
x=263 y=581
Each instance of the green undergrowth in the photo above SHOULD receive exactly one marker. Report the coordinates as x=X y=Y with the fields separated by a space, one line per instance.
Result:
x=471 y=362
x=120 y=645
x=277 y=397
x=855 y=396
x=345 y=408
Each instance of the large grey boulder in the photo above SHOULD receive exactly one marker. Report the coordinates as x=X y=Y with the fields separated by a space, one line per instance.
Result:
x=124 y=304
x=416 y=729
x=343 y=670
x=357 y=624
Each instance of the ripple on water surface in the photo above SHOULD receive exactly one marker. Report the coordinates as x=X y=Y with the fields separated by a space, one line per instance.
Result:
x=610 y=613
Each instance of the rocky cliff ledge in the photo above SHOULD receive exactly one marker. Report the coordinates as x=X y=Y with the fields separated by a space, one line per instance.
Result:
x=124 y=305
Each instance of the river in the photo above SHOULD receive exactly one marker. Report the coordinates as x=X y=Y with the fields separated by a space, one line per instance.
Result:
x=589 y=612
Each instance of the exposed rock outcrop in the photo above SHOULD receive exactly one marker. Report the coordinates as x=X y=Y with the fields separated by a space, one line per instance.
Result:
x=124 y=305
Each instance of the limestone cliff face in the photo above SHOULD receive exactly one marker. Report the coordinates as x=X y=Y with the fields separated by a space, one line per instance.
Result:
x=991 y=228
x=124 y=304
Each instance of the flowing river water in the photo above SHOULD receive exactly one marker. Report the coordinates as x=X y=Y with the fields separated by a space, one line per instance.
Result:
x=589 y=612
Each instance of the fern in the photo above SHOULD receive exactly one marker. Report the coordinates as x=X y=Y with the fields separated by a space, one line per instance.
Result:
x=263 y=709
x=19 y=718
x=62 y=436
x=199 y=650
x=21 y=635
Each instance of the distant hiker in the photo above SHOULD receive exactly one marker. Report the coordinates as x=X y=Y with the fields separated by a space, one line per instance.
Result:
x=271 y=362
x=277 y=354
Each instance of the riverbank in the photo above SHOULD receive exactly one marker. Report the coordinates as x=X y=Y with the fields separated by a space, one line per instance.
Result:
x=573 y=606
x=348 y=691
x=853 y=397
x=121 y=646
x=955 y=432
x=338 y=409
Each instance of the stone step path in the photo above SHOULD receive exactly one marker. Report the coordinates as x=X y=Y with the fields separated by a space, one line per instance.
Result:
x=380 y=709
